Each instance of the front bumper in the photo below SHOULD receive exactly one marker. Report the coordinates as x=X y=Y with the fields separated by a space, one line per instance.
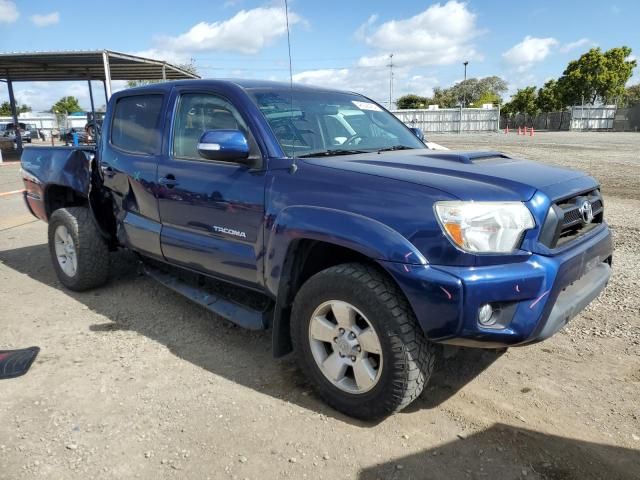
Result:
x=536 y=298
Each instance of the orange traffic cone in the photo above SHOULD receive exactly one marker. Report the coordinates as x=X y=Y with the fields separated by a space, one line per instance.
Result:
x=525 y=131
x=506 y=130
x=531 y=132
x=519 y=131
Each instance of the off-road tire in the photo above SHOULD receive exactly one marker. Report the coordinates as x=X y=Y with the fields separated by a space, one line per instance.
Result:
x=92 y=251
x=408 y=358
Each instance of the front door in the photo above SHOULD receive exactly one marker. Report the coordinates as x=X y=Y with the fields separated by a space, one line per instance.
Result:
x=211 y=211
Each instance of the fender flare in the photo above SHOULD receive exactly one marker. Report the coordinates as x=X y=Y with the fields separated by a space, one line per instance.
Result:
x=364 y=235
x=361 y=234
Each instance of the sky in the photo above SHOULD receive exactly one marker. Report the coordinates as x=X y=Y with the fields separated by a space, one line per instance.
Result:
x=338 y=44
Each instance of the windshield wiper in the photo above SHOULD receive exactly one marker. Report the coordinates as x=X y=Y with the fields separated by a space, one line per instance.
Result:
x=332 y=153
x=395 y=147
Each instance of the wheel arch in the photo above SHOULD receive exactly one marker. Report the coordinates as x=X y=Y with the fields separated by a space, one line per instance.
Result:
x=56 y=196
x=301 y=235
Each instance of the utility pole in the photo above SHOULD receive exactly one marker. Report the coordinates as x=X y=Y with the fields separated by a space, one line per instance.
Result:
x=464 y=89
x=390 y=65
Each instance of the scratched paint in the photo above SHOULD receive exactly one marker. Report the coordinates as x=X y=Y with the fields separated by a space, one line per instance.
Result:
x=535 y=302
x=449 y=296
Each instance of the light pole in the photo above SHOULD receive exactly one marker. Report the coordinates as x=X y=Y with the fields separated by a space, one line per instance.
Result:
x=464 y=85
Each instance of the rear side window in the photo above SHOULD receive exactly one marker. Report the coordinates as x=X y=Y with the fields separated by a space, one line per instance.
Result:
x=136 y=124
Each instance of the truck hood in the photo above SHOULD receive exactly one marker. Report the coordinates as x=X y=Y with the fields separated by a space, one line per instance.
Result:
x=465 y=175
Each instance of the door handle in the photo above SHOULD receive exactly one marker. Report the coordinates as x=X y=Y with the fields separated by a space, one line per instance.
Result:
x=107 y=171
x=168 y=181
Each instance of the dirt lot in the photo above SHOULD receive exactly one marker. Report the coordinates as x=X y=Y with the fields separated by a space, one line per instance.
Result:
x=135 y=381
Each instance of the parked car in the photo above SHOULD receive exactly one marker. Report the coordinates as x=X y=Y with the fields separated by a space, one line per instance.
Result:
x=319 y=215
x=28 y=131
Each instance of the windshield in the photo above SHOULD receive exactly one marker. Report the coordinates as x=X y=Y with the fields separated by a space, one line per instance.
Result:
x=308 y=123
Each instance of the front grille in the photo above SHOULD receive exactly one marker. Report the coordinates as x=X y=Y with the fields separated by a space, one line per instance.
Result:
x=569 y=219
x=571 y=216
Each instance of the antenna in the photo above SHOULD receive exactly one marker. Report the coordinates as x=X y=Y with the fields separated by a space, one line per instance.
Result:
x=390 y=65
x=294 y=167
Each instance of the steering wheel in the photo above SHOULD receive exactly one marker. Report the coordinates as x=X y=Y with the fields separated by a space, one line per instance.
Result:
x=353 y=138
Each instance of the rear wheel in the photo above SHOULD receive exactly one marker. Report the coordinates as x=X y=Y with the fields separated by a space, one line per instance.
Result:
x=357 y=340
x=79 y=253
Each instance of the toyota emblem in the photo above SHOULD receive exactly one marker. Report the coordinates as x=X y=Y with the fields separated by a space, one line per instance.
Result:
x=586 y=212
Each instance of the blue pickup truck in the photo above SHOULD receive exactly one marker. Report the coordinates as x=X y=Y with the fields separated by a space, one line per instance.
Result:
x=319 y=215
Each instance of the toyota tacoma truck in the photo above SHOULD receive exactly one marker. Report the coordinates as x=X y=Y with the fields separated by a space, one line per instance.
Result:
x=319 y=215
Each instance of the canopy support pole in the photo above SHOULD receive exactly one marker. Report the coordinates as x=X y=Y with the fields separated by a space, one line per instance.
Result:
x=93 y=108
x=14 y=114
x=107 y=75
x=104 y=86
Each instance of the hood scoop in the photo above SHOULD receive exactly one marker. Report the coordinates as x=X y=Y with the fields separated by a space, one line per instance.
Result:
x=467 y=157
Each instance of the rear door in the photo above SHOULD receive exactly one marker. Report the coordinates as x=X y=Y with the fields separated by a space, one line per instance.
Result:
x=211 y=211
x=131 y=147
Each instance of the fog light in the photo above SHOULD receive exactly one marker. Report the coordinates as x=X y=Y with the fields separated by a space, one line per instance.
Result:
x=485 y=315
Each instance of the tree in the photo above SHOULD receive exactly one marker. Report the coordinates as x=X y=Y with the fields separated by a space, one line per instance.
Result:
x=493 y=84
x=632 y=95
x=66 y=105
x=189 y=67
x=472 y=89
x=596 y=76
x=525 y=101
x=549 y=97
x=411 y=101
x=487 y=97
x=5 y=109
x=444 y=97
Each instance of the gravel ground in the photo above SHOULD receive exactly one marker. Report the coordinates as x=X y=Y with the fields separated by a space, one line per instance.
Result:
x=134 y=381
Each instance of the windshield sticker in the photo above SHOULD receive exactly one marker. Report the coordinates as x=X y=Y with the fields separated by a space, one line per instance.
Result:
x=367 y=106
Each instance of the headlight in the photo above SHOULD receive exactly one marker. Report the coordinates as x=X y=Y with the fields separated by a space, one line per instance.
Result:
x=484 y=227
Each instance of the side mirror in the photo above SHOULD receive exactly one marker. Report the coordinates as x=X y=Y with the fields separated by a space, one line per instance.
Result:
x=225 y=146
x=418 y=133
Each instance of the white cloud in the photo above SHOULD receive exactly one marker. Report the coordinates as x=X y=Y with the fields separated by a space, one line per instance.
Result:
x=8 y=11
x=567 y=47
x=170 y=56
x=46 y=19
x=529 y=51
x=371 y=82
x=363 y=30
x=40 y=96
x=440 y=35
x=247 y=32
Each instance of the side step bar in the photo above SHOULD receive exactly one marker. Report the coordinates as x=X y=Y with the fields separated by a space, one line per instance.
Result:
x=241 y=315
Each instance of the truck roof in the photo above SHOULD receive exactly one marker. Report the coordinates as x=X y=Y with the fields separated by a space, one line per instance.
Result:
x=246 y=84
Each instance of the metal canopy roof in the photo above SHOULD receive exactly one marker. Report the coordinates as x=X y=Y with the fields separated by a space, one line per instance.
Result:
x=85 y=65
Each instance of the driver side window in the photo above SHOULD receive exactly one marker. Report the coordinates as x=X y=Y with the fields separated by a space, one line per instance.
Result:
x=197 y=113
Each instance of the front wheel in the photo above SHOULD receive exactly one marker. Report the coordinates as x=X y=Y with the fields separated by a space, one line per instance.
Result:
x=79 y=253
x=357 y=340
